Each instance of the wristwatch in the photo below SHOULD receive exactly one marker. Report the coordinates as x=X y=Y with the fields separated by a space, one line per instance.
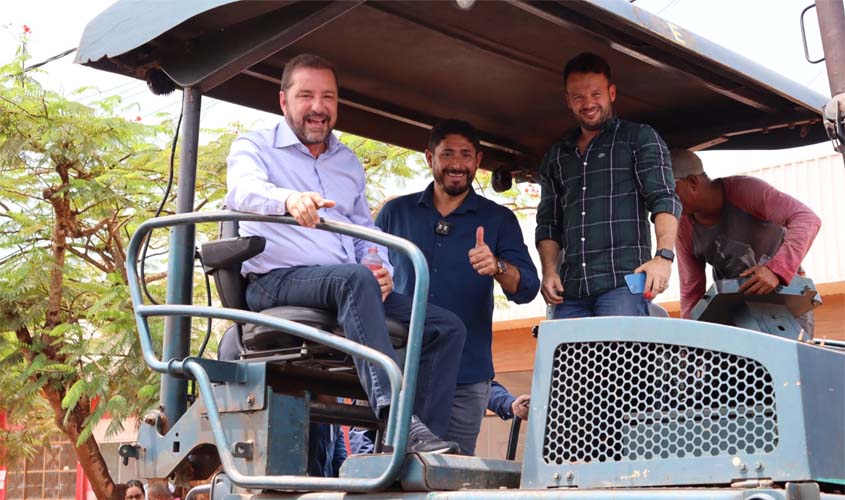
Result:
x=503 y=267
x=666 y=254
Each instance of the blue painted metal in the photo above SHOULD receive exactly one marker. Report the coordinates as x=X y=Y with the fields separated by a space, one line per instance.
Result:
x=402 y=387
x=773 y=313
x=432 y=472
x=287 y=433
x=797 y=376
x=748 y=492
x=799 y=297
x=180 y=262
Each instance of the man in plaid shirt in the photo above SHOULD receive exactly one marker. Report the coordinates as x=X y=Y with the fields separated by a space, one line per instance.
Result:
x=598 y=186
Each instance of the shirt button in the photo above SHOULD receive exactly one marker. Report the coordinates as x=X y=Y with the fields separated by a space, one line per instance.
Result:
x=583 y=213
x=585 y=164
x=582 y=238
x=583 y=264
x=440 y=244
x=435 y=269
x=583 y=188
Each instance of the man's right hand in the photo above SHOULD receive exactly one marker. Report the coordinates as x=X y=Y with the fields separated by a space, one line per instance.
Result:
x=552 y=289
x=303 y=207
x=385 y=282
x=519 y=407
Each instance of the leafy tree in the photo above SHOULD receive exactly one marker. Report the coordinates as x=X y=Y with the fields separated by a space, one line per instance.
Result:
x=75 y=181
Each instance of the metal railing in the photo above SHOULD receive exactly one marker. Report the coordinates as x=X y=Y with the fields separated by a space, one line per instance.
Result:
x=402 y=386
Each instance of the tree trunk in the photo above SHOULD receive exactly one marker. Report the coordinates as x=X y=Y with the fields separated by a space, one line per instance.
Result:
x=88 y=452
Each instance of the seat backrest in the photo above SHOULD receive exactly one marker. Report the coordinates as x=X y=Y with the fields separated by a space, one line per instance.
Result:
x=222 y=259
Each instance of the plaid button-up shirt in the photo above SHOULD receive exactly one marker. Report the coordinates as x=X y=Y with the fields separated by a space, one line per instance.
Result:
x=595 y=204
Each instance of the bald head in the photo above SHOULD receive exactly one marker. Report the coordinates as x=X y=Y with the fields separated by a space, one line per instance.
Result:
x=685 y=163
x=159 y=491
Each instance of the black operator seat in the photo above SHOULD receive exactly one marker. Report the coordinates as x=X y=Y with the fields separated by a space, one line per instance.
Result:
x=222 y=259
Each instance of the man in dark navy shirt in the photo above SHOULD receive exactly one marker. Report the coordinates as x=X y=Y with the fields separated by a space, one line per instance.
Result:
x=469 y=242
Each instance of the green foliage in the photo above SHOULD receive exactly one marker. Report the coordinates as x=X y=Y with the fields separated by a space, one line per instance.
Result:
x=75 y=182
x=388 y=168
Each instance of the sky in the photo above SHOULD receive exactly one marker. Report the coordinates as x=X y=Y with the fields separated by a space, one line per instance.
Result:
x=766 y=31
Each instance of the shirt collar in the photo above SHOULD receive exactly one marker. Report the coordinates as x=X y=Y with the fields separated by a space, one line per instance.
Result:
x=285 y=137
x=572 y=139
x=470 y=203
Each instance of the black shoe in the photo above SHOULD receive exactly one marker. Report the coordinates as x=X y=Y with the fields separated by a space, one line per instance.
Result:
x=422 y=440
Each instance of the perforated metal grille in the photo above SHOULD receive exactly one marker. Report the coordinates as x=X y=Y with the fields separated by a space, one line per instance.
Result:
x=621 y=401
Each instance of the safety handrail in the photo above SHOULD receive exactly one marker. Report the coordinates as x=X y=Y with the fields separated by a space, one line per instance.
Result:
x=402 y=386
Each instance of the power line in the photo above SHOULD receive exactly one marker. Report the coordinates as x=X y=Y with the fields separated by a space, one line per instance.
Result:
x=121 y=86
x=669 y=5
x=50 y=59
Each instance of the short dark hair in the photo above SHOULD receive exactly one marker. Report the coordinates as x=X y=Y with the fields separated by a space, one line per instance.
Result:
x=452 y=126
x=134 y=483
x=305 y=61
x=587 y=62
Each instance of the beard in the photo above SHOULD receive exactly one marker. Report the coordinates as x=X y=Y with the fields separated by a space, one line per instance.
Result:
x=593 y=126
x=448 y=183
x=313 y=135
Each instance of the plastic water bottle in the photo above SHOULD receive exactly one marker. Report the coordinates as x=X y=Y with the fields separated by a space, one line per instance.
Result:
x=372 y=259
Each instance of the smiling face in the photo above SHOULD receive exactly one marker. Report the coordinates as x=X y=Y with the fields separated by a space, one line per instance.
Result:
x=590 y=96
x=310 y=106
x=453 y=164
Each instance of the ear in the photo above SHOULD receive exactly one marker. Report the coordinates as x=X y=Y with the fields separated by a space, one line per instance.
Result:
x=694 y=182
x=283 y=102
x=478 y=157
x=612 y=92
x=428 y=157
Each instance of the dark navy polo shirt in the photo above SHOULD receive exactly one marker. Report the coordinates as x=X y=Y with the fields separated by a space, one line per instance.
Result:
x=454 y=283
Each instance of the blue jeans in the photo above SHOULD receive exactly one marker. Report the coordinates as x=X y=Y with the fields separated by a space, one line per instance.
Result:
x=467 y=412
x=352 y=291
x=617 y=302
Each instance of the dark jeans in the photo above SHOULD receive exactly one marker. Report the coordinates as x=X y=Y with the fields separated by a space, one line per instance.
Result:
x=467 y=413
x=352 y=291
x=617 y=302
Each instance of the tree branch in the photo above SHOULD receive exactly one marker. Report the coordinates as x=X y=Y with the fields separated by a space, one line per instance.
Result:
x=87 y=258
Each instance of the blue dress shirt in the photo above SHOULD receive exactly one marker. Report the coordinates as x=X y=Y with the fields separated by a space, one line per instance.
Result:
x=455 y=285
x=267 y=166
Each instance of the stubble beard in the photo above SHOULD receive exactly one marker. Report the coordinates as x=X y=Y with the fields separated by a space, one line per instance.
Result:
x=309 y=138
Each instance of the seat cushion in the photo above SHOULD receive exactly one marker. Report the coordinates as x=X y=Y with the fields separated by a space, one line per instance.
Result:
x=259 y=337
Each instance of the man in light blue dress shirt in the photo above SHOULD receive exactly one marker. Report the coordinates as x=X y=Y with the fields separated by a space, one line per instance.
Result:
x=300 y=168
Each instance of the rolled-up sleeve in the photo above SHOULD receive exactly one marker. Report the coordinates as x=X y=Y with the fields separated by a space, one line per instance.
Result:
x=248 y=183
x=550 y=209
x=653 y=169
x=760 y=199
x=511 y=247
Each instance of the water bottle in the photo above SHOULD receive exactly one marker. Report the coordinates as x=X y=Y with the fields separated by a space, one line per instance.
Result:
x=372 y=259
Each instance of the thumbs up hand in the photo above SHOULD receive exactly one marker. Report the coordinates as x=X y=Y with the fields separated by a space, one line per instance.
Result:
x=481 y=257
